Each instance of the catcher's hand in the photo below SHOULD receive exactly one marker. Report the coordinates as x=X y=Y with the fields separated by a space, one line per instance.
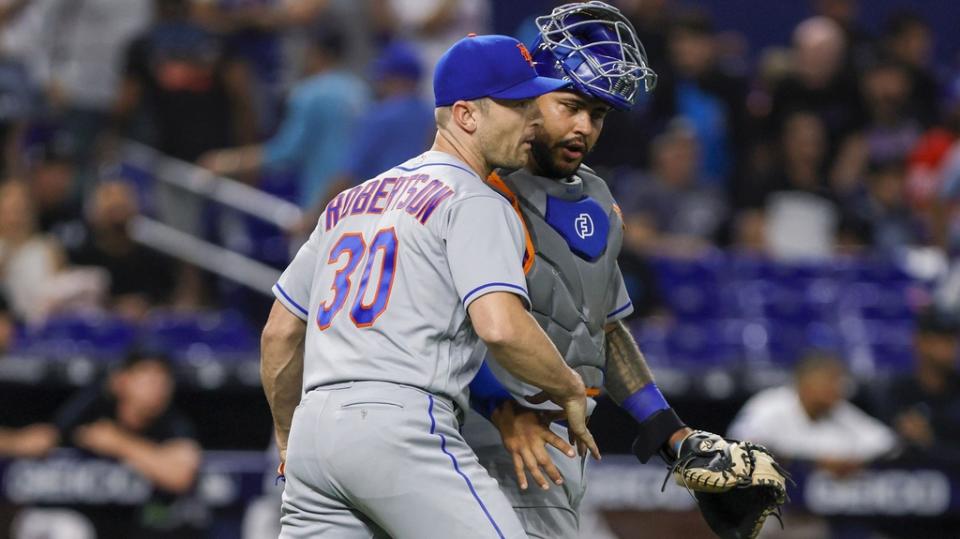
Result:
x=737 y=484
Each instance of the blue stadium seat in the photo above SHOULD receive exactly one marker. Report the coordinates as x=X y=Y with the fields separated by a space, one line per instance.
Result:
x=200 y=336
x=879 y=301
x=652 y=340
x=891 y=344
x=691 y=287
x=700 y=344
x=94 y=335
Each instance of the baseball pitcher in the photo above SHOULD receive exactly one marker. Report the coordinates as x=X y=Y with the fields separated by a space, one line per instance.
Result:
x=381 y=316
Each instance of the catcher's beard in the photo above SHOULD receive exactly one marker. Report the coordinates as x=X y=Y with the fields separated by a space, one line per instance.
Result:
x=543 y=157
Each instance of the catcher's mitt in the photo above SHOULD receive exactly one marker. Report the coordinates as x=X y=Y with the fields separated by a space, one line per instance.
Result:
x=737 y=484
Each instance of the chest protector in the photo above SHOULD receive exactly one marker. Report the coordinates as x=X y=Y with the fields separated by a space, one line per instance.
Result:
x=576 y=235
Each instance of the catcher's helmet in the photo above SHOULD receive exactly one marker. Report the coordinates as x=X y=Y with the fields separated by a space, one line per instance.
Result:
x=595 y=47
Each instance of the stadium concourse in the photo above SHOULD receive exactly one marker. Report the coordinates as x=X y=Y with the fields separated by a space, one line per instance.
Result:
x=790 y=189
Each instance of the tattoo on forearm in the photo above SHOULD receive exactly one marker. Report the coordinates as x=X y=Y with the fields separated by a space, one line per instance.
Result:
x=627 y=370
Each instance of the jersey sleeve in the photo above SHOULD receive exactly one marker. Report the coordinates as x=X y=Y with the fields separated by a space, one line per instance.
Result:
x=484 y=247
x=293 y=287
x=621 y=306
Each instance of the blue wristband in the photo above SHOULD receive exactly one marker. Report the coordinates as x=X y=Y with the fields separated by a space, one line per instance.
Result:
x=645 y=402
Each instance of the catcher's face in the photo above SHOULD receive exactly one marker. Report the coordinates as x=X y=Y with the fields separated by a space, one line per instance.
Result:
x=572 y=122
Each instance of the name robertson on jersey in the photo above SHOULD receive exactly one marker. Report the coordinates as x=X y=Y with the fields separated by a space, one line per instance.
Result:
x=418 y=195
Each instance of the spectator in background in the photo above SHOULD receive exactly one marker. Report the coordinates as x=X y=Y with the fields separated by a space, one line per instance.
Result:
x=883 y=209
x=697 y=87
x=818 y=81
x=255 y=31
x=908 y=39
x=891 y=128
x=129 y=418
x=400 y=125
x=140 y=278
x=84 y=44
x=812 y=420
x=800 y=162
x=925 y=408
x=800 y=213
x=671 y=209
x=29 y=261
x=846 y=15
x=320 y=121
x=21 y=61
x=432 y=26
x=53 y=190
x=192 y=93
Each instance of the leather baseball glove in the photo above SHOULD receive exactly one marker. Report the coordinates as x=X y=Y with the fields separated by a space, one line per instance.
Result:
x=736 y=484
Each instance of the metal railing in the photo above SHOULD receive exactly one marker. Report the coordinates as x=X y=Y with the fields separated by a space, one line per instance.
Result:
x=178 y=241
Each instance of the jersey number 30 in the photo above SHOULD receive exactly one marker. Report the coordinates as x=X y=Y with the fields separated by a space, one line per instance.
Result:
x=353 y=246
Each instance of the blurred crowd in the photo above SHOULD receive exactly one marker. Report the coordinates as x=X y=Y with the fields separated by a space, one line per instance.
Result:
x=843 y=142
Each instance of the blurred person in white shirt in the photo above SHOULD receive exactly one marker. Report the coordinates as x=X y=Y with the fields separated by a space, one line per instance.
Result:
x=812 y=420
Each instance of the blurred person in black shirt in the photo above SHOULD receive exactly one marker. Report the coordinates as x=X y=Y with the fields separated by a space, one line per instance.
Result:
x=925 y=407
x=701 y=88
x=799 y=161
x=139 y=276
x=817 y=80
x=128 y=418
x=891 y=128
x=53 y=187
x=672 y=209
x=194 y=94
x=908 y=38
x=882 y=209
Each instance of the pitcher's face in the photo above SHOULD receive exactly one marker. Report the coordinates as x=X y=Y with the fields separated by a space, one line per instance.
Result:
x=507 y=131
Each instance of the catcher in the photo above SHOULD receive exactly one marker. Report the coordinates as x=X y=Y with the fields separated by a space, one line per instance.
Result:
x=574 y=234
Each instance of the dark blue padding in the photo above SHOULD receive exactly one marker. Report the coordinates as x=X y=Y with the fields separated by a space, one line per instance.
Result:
x=583 y=224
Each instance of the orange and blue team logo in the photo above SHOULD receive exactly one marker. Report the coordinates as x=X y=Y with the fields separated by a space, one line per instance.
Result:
x=526 y=54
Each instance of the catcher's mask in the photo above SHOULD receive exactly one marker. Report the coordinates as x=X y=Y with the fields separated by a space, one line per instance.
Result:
x=595 y=47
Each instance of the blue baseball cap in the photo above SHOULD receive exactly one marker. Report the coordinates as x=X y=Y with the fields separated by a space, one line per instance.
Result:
x=489 y=66
x=398 y=59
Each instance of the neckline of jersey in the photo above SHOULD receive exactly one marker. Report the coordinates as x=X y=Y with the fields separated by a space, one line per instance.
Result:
x=437 y=157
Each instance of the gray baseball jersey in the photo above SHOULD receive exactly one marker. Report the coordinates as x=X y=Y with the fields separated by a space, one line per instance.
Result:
x=385 y=279
x=383 y=284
